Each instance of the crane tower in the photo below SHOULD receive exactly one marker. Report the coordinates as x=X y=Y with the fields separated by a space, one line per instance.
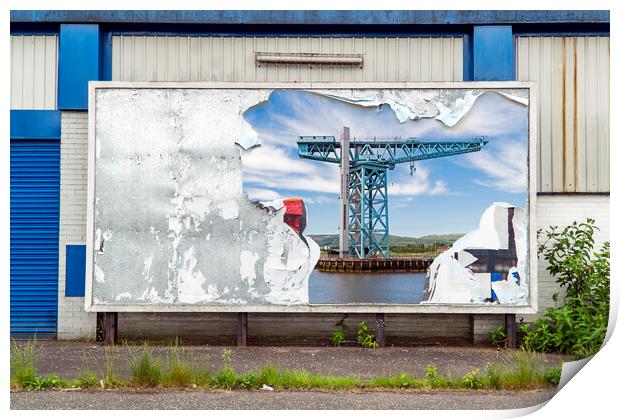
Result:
x=364 y=227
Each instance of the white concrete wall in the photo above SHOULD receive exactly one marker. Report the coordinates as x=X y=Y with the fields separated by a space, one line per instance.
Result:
x=73 y=321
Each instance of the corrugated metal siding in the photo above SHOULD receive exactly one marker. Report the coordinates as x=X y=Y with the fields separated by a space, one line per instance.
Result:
x=573 y=117
x=34 y=64
x=185 y=58
x=35 y=201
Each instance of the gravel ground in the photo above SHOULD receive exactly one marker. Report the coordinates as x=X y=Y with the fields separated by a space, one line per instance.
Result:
x=70 y=359
x=260 y=400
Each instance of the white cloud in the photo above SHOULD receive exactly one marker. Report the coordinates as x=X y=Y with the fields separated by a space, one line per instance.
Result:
x=262 y=194
x=505 y=168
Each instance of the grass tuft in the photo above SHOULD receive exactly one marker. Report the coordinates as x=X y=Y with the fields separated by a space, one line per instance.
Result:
x=23 y=364
x=179 y=367
x=145 y=369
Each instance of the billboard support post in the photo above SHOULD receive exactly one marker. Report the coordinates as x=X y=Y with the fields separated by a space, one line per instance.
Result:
x=380 y=329
x=110 y=328
x=242 y=332
x=511 y=331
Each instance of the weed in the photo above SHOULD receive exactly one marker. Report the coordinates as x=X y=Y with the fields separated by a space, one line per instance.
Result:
x=553 y=375
x=179 y=367
x=338 y=337
x=145 y=369
x=364 y=337
x=225 y=378
x=110 y=377
x=499 y=336
x=527 y=370
x=202 y=375
x=473 y=380
x=87 y=379
x=269 y=375
x=249 y=380
x=495 y=375
x=23 y=364
x=227 y=358
x=401 y=380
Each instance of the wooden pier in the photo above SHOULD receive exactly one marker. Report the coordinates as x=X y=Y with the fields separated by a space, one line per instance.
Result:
x=386 y=265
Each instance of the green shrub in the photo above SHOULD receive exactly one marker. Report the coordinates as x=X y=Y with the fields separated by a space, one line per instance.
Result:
x=578 y=326
x=364 y=337
x=553 y=375
x=473 y=380
x=337 y=338
x=145 y=369
x=499 y=336
x=23 y=364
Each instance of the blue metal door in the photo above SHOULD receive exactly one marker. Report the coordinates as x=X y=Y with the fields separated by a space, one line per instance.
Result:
x=35 y=204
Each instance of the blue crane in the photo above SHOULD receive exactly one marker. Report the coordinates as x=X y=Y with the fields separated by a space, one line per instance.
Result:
x=364 y=228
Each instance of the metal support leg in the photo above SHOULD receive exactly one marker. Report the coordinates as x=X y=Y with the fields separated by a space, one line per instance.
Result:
x=511 y=331
x=381 y=329
x=110 y=328
x=242 y=333
x=99 y=329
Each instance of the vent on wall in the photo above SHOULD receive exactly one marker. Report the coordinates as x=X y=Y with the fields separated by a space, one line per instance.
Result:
x=310 y=59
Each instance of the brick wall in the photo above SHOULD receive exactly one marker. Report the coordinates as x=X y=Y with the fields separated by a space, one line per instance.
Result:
x=73 y=321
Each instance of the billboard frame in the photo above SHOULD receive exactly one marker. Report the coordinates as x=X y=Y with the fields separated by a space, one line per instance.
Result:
x=428 y=308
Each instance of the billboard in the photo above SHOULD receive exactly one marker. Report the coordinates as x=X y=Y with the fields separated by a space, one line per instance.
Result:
x=393 y=197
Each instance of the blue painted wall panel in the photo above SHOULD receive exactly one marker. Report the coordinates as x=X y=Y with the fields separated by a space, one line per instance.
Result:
x=76 y=270
x=78 y=63
x=35 y=125
x=493 y=53
x=34 y=207
x=318 y=17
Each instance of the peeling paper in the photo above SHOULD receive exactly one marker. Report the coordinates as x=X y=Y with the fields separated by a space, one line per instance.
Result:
x=450 y=281
x=420 y=103
x=170 y=191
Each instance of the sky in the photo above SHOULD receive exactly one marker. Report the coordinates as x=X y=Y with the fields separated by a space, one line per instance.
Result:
x=444 y=195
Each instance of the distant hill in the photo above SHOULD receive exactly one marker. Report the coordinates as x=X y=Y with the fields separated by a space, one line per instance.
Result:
x=332 y=240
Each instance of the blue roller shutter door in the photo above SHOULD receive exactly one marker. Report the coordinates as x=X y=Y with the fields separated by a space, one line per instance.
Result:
x=35 y=207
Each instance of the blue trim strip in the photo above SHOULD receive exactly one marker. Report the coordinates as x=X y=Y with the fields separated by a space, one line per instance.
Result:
x=493 y=53
x=105 y=55
x=78 y=62
x=75 y=278
x=35 y=125
x=320 y=17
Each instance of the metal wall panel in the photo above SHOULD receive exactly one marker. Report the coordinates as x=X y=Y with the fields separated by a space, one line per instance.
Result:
x=34 y=60
x=35 y=201
x=573 y=119
x=192 y=58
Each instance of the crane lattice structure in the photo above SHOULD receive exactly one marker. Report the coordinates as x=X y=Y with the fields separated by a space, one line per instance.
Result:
x=364 y=228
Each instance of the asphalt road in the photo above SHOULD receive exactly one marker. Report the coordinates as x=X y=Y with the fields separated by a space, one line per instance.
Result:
x=282 y=400
x=70 y=359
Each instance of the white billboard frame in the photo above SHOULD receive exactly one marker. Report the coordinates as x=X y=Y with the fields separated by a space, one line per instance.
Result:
x=530 y=308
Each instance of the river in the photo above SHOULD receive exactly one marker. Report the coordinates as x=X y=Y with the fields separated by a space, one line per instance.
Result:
x=332 y=287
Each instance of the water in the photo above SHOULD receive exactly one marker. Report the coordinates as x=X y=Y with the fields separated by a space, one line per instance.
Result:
x=366 y=287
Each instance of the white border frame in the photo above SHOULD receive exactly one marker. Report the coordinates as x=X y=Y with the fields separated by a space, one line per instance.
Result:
x=319 y=308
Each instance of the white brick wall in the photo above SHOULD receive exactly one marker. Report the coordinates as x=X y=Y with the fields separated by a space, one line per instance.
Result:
x=73 y=321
